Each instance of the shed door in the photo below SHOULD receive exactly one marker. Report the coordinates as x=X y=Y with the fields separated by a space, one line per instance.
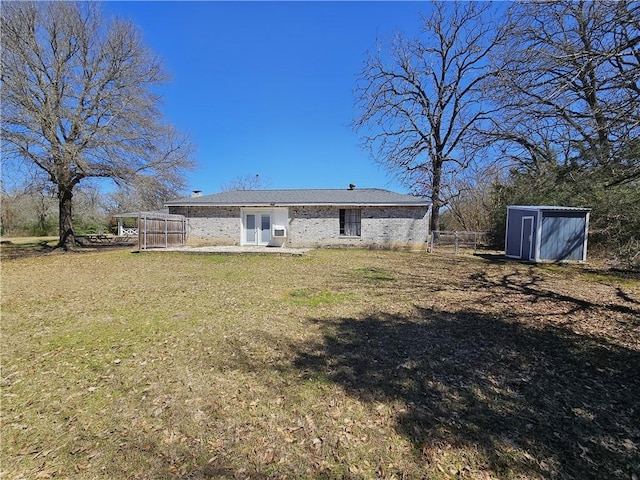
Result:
x=527 y=238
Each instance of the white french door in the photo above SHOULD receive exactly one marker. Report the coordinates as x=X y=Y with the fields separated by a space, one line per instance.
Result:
x=257 y=228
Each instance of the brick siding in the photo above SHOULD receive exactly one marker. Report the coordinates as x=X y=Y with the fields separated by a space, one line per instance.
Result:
x=381 y=227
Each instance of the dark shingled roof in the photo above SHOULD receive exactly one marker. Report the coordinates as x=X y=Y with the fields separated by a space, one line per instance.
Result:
x=255 y=198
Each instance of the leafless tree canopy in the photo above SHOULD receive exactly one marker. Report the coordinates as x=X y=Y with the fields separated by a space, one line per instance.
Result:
x=78 y=100
x=146 y=194
x=247 y=182
x=469 y=209
x=421 y=101
x=569 y=81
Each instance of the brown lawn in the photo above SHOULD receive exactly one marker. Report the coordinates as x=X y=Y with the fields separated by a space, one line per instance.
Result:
x=337 y=364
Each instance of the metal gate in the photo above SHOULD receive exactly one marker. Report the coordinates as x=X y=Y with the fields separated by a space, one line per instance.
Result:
x=161 y=230
x=442 y=240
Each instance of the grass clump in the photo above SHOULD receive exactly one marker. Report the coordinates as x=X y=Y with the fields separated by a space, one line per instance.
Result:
x=374 y=274
x=314 y=298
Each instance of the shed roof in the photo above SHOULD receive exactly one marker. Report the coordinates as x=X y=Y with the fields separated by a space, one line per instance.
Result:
x=554 y=208
x=303 y=197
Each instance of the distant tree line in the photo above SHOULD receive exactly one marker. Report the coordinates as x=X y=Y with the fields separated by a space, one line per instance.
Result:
x=32 y=209
x=522 y=103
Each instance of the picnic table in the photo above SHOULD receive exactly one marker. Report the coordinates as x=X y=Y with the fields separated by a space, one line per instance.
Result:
x=97 y=238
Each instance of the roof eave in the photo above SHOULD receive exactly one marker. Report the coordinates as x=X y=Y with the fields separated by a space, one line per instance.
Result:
x=298 y=204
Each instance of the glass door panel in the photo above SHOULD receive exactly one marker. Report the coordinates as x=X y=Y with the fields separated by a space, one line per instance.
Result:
x=265 y=236
x=250 y=228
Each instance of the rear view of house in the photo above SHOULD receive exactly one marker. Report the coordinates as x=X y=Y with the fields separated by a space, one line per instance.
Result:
x=547 y=234
x=364 y=217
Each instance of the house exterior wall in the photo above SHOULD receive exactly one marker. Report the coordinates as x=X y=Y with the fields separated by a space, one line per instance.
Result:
x=383 y=227
x=220 y=225
x=311 y=226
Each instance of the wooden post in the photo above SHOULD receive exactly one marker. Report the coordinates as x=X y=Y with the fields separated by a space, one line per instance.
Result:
x=455 y=243
x=166 y=232
x=144 y=235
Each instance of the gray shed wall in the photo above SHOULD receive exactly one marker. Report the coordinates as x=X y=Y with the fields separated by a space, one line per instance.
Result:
x=563 y=235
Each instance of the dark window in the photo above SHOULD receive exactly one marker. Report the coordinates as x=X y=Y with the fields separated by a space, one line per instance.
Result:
x=350 y=222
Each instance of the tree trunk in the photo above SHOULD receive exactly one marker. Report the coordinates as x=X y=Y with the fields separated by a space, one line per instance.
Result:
x=67 y=237
x=435 y=194
x=435 y=213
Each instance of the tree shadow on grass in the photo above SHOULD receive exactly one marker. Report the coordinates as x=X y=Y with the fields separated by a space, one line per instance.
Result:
x=532 y=401
x=533 y=287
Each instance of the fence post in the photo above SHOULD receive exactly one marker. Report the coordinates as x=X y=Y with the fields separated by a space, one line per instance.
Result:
x=455 y=243
x=166 y=232
x=184 y=230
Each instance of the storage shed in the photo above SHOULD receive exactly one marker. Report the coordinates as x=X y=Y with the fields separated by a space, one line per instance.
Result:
x=547 y=233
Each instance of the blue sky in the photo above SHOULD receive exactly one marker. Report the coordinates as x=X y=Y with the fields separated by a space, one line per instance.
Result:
x=267 y=87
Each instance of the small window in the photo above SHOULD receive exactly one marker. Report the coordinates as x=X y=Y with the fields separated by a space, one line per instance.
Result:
x=350 y=222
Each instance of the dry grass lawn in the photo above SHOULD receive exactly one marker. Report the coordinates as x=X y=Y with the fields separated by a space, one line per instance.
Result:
x=337 y=364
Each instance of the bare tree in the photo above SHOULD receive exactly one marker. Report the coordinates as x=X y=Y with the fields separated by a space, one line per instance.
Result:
x=471 y=206
x=146 y=193
x=246 y=182
x=78 y=101
x=569 y=82
x=421 y=102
